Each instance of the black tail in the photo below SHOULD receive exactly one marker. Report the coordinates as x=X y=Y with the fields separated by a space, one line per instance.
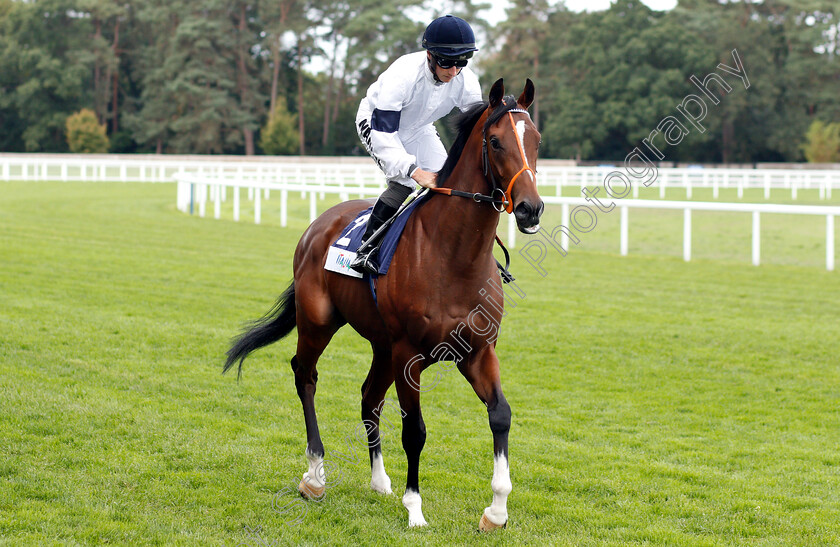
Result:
x=271 y=327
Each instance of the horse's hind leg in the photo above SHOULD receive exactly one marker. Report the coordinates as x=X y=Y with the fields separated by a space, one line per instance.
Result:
x=414 y=429
x=314 y=333
x=378 y=380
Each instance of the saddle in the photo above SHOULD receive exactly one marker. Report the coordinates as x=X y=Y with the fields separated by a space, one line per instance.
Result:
x=342 y=252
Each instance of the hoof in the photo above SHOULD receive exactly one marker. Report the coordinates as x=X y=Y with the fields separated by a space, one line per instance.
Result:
x=417 y=522
x=486 y=525
x=382 y=489
x=310 y=491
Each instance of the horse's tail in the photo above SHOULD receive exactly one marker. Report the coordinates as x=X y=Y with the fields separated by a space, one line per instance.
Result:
x=271 y=327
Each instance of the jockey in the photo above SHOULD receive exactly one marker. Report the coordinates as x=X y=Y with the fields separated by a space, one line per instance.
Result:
x=395 y=118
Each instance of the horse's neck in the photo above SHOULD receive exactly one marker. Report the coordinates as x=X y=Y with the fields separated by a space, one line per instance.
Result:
x=464 y=229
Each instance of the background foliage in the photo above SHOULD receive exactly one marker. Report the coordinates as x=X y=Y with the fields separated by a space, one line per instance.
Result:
x=822 y=142
x=202 y=77
x=279 y=136
x=85 y=134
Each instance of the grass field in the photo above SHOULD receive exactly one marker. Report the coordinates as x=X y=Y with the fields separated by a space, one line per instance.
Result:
x=654 y=401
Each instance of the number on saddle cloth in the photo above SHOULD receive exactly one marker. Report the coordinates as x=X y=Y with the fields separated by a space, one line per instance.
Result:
x=351 y=236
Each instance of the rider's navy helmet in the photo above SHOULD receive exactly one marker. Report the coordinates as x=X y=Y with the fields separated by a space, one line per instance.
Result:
x=450 y=37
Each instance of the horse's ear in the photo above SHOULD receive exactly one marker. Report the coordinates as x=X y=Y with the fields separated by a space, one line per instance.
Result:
x=497 y=92
x=527 y=96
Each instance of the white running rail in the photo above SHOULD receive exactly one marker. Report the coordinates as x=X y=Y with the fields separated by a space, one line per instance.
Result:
x=195 y=191
x=155 y=168
x=203 y=179
x=755 y=209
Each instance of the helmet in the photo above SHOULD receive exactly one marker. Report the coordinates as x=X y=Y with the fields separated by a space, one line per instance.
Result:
x=450 y=37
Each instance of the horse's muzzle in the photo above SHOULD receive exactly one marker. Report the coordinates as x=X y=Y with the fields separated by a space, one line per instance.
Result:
x=528 y=216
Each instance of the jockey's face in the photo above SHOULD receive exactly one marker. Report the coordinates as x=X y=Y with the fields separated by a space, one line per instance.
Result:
x=445 y=75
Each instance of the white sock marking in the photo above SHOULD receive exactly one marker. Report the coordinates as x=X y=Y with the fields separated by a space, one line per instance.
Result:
x=379 y=479
x=497 y=512
x=412 y=502
x=315 y=475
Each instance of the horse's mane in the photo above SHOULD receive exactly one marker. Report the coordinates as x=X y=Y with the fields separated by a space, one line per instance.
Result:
x=463 y=123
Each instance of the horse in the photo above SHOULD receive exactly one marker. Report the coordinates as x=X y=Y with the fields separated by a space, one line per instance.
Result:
x=434 y=305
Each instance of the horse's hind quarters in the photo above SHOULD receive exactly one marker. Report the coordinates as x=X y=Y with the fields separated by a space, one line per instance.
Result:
x=528 y=216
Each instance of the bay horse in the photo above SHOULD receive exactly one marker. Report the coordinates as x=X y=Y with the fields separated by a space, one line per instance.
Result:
x=433 y=305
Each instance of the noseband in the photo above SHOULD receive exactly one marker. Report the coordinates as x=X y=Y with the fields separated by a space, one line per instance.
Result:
x=507 y=201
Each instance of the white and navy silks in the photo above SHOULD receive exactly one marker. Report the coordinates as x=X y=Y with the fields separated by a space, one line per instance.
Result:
x=395 y=118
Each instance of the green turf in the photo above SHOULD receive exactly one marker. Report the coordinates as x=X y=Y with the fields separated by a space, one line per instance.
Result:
x=654 y=401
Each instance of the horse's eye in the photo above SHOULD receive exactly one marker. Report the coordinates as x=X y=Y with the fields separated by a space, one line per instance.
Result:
x=494 y=142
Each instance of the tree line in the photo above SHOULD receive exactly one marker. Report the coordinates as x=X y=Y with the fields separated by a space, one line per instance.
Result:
x=286 y=77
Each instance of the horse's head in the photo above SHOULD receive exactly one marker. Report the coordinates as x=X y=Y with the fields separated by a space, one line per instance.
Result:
x=511 y=142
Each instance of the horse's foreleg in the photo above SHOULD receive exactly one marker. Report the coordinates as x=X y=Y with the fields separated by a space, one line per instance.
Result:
x=484 y=378
x=496 y=515
x=413 y=434
x=378 y=381
x=413 y=438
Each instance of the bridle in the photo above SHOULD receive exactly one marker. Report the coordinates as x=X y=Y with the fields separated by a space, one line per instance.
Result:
x=505 y=203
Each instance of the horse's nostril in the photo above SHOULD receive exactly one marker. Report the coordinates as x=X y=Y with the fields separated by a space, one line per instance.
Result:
x=523 y=210
x=526 y=212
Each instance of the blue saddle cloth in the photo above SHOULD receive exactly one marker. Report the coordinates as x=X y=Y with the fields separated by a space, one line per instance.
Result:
x=351 y=237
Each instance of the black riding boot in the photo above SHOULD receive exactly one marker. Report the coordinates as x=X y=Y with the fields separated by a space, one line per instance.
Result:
x=380 y=214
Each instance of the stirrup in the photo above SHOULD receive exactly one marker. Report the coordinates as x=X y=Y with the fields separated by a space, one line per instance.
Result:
x=363 y=263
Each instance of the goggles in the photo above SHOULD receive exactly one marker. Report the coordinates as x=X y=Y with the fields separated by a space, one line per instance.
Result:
x=445 y=63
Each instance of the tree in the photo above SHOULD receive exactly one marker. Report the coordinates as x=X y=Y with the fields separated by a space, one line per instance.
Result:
x=43 y=72
x=279 y=137
x=196 y=76
x=611 y=76
x=106 y=17
x=378 y=33
x=197 y=94
x=282 y=17
x=85 y=135
x=249 y=100
x=523 y=34
x=822 y=142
